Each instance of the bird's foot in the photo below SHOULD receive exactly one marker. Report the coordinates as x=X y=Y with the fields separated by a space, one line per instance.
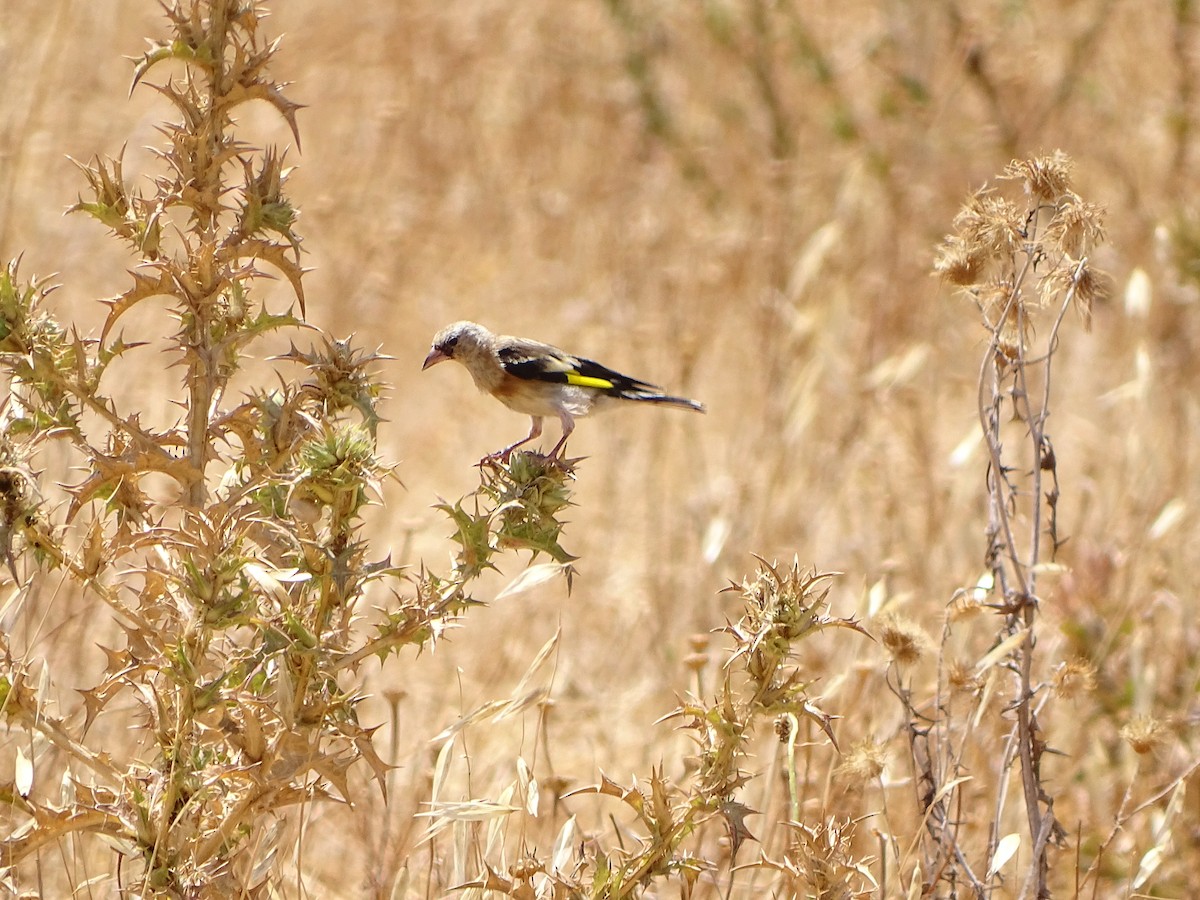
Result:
x=502 y=457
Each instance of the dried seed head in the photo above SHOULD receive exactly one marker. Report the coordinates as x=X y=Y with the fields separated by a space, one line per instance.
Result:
x=1046 y=178
x=991 y=225
x=1077 y=226
x=862 y=763
x=959 y=262
x=964 y=606
x=905 y=641
x=1088 y=284
x=1074 y=677
x=962 y=677
x=1144 y=734
x=1093 y=286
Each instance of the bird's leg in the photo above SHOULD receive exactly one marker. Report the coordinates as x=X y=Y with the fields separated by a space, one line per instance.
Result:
x=535 y=431
x=568 y=425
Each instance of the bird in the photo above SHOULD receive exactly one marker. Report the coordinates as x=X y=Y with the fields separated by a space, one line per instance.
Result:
x=540 y=380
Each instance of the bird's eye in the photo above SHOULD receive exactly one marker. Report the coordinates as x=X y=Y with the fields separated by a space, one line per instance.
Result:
x=448 y=344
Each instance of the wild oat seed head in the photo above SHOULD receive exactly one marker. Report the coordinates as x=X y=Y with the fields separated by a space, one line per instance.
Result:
x=1074 y=677
x=1046 y=178
x=905 y=641
x=1144 y=734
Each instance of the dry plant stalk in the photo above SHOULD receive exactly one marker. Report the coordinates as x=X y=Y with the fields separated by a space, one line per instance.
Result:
x=237 y=587
x=782 y=607
x=1022 y=264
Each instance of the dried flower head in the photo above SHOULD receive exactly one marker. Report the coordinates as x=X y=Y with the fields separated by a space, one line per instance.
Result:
x=1077 y=226
x=991 y=224
x=1074 y=677
x=864 y=762
x=1144 y=734
x=958 y=262
x=998 y=244
x=1046 y=178
x=1086 y=284
x=905 y=641
x=1093 y=286
x=964 y=605
x=962 y=677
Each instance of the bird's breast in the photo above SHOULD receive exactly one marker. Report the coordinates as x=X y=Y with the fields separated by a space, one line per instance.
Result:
x=544 y=398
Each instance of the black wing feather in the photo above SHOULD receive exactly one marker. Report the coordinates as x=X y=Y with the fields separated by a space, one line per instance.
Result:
x=557 y=369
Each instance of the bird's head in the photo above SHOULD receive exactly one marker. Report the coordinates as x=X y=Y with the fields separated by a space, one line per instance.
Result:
x=458 y=341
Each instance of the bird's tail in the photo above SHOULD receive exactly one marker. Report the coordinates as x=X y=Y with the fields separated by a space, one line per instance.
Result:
x=653 y=397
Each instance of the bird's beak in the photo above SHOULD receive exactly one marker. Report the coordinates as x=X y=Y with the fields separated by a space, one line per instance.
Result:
x=435 y=356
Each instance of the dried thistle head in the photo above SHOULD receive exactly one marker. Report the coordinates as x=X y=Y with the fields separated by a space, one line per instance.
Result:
x=781 y=605
x=819 y=861
x=962 y=677
x=1145 y=734
x=1074 y=677
x=964 y=605
x=1092 y=286
x=990 y=225
x=1046 y=178
x=959 y=262
x=997 y=246
x=1076 y=226
x=904 y=640
x=863 y=763
x=1083 y=283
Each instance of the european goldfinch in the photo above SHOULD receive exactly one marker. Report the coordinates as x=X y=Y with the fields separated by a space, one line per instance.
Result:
x=539 y=380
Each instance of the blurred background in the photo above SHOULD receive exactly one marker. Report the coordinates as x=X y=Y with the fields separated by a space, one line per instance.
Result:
x=738 y=200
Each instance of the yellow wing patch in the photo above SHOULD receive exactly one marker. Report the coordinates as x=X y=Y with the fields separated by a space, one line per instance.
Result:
x=587 y=381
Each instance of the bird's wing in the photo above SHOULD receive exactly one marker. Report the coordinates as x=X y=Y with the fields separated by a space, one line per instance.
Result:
x=534 y=361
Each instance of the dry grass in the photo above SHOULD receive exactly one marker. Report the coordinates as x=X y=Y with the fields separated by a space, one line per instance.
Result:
x=739 y=201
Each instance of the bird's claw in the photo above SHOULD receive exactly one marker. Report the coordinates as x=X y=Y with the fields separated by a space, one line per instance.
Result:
x=503 y=458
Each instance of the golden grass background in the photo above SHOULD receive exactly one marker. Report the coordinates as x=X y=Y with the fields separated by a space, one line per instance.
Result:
x=738 y=201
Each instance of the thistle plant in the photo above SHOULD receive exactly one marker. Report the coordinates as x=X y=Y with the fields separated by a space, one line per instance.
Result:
x=762 y=694
x=236 y=588
x=1024 y=264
